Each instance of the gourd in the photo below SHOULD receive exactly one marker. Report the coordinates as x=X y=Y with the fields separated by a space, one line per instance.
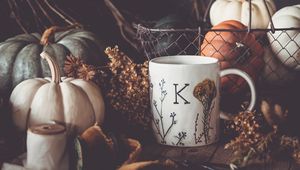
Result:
x=222 y=10
x=19 y=55
x=274 y=71
x=74 y=102
x=234 y=49
x=1 y=114
x=285 y=44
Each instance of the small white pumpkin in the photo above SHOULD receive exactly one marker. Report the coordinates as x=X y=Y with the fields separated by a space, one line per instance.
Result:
x=222 y=10
x=286 y=44
x=274 y=71
x=75 y=102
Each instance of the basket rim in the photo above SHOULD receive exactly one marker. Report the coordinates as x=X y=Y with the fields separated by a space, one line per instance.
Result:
x=199 y=29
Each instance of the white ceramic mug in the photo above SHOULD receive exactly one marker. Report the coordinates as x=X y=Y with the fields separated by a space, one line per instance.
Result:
x=185 y=97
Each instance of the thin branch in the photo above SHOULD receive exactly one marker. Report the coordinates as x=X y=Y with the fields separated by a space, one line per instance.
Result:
x=16 y=16
x=196 y=9
x=124 y=26
x=161 y=117
x=44 y=12
x=157 y=110
x=65 y=14
x=158 y=130
x=36 y=15
x=181 y=136
x=197 y=139
x=173 y=123
x=58 y=13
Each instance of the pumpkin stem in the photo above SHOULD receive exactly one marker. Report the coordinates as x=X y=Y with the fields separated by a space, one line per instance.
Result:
x=55 y=73
x=48 y=35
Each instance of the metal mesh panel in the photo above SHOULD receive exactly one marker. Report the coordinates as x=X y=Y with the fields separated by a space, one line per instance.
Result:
x=269 y=58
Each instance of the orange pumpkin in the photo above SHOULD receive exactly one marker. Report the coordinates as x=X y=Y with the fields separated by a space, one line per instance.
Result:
x=234 y=49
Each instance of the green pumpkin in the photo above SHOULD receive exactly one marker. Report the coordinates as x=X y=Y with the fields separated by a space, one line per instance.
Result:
x=3 y=120
x=1 y=106
x=20 y=55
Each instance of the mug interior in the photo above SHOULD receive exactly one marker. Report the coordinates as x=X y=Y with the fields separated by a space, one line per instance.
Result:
x=184 y=60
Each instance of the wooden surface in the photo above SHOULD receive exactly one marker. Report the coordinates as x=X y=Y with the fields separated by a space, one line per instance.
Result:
x=211 y=157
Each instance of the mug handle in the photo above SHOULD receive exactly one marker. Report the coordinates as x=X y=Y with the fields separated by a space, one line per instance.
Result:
x=250 y=83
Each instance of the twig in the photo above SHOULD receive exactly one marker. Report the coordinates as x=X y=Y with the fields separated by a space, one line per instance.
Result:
x=36 y=16
x=16 y=16
x=157 y=127
x=58 y=13
x=160 y=117
x=173 y=123
x=197 y=139
x=65 y=14
x=124 y=26
x=155 y=105
x=196 y=9
x=205 y=120
x=181 y=136
x=162 y=133
x=44 y=12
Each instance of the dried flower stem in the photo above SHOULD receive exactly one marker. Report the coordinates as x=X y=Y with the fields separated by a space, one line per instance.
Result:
x=181 y=136
x=159 y=123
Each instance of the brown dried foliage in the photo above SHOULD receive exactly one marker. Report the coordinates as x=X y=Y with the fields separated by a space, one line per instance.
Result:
x=254 y=143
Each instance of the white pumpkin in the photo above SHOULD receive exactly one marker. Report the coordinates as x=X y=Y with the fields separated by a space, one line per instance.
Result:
x=75 y=102
x=286 y=44
x=274 y=71
x=222 y=10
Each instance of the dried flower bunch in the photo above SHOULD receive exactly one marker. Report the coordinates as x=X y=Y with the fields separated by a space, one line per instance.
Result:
x=129 y=91
x=74 y=67
x=257 y=141
x=124 y=82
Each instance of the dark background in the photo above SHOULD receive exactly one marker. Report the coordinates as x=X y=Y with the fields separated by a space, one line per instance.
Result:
x=95 y=15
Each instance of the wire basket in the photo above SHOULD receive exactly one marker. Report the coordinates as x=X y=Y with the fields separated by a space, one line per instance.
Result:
x=163 y=42
x=270 y=56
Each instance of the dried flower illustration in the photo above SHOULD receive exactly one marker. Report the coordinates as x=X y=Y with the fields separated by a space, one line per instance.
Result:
x=180 y=137
x=205 y=92
x=159 y=123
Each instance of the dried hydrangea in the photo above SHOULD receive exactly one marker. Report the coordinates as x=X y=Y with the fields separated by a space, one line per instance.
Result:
x=129 y=91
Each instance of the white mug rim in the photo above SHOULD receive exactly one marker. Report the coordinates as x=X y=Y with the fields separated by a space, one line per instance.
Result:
x=177 y=60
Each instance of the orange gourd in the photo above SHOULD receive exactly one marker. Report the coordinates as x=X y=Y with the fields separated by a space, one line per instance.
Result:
x=234 y=49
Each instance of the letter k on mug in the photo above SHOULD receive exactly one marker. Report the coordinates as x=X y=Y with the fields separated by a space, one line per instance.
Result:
x=185 y=99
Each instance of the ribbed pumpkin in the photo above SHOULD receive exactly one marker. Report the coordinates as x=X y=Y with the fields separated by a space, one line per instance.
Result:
x=2 y=121
x=75 y=102
x=275 y=72
x=20 y=60
x=1 y=110
x=222 y=10
x=285 y=44
x=234 y=49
